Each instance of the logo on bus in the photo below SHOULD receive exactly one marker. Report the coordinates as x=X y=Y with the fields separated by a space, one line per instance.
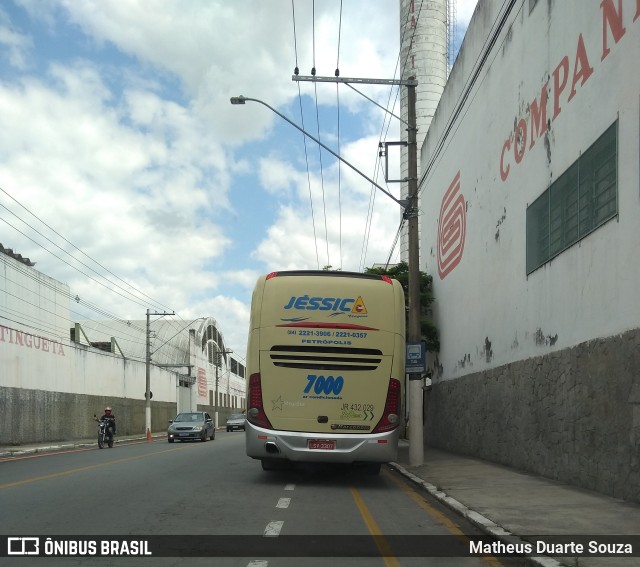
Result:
x=351 y=305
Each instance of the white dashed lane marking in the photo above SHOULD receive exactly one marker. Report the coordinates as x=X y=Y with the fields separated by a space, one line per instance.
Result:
x=273 y=529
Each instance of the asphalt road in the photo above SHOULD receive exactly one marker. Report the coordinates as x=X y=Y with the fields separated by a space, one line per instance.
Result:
x=212 y=489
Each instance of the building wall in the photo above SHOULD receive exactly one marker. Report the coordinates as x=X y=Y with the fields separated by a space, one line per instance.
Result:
x=532 y=360
x=51 y=386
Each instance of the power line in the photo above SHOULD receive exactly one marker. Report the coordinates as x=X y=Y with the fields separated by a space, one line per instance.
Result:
x=304 y=139
x=120 y=333
x=133 y=298
x=482 y=58
x=337 y=72
x=383 y=136
x=71 y=244
x=65 y=262
x=315 y=87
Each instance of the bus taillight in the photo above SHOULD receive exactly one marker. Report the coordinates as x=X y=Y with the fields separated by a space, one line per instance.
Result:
x=390 y=419
x=256 y=414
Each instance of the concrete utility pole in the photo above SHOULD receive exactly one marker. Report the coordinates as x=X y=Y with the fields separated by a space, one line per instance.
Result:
x=410 y=207
x=147 y=420
x=416 y=440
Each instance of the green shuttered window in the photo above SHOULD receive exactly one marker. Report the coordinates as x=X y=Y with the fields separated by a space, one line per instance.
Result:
x=578 y=202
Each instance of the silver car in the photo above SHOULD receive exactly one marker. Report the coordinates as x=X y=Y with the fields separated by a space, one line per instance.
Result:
x=191 y=425
x=236 y=421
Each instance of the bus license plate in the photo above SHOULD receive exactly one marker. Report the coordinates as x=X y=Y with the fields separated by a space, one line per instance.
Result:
x=322 y=444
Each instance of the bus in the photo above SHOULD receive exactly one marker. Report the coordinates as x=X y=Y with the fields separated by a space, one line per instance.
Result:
x=325 y=367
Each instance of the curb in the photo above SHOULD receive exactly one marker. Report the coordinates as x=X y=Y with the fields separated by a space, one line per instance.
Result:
x=478 y=520
x=18 y=452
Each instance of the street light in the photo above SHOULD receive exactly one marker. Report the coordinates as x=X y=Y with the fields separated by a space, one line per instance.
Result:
x=410 y=213
x=242 y=100
x=217 y=361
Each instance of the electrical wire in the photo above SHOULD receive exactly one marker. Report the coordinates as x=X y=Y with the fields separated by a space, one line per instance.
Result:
x=383 y=135
x=70 y=243
x=324 y=203
x=481 y=59
x=337 y=73
x=64 y=261
x=103 y=323
x=100 y=311
x=315 y=88
x=71 y=345
x=304 y=138
x=395 y=242
x=76 y=298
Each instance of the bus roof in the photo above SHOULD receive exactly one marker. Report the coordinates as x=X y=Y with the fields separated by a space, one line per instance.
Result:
x=325 y=273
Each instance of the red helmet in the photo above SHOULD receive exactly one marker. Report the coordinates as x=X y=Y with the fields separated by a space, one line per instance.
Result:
x=107 y=410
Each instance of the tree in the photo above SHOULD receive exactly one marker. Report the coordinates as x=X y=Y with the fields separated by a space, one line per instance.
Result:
x=400 y=272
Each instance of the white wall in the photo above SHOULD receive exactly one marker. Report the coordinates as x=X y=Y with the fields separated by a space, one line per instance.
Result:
x=588 y=291
x=36 y=352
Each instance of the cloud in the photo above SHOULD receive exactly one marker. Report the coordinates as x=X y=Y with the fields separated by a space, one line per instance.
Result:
x=343 y=226
x=127 y=186
x=15 y=45
x=277 y=176
x=464 y=11
x=119 y=134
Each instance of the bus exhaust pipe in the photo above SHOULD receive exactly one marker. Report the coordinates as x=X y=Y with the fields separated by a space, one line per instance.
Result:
x=271 y=448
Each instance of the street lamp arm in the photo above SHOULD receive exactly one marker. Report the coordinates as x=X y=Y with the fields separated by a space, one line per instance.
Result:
x=242 y=99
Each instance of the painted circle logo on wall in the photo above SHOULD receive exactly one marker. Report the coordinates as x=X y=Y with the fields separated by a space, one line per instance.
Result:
x=452 y=226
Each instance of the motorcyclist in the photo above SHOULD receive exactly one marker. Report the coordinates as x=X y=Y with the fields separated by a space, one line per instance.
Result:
x=110 y=419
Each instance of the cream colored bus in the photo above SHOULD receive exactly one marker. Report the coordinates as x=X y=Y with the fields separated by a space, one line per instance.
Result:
x=325 y=366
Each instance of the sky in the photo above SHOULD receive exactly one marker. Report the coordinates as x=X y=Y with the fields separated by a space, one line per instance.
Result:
x=126 y=173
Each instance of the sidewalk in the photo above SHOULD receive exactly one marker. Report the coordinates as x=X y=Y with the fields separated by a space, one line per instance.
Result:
x=502 y=502
x=508 y=504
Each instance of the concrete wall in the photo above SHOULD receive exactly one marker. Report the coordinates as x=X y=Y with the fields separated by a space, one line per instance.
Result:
x=535 y=370
x=33 y=416
x=572 y=415
x=51 y=393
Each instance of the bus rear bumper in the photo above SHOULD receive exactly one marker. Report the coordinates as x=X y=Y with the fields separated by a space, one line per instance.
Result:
x=347 y=448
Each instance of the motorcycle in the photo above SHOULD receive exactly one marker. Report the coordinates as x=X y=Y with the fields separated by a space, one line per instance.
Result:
x=104 y=433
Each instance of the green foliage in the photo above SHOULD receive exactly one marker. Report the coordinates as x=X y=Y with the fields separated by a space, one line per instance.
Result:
x=400 y=272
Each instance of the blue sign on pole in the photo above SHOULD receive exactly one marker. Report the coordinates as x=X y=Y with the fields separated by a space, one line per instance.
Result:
x=416 y=358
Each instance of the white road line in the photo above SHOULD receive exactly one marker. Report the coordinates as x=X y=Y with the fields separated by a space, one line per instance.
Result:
x=273 y=529
x=290 y=487
x=283 y=503
x=258 y=563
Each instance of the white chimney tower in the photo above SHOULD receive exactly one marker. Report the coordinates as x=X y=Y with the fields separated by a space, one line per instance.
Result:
x=423 y=55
